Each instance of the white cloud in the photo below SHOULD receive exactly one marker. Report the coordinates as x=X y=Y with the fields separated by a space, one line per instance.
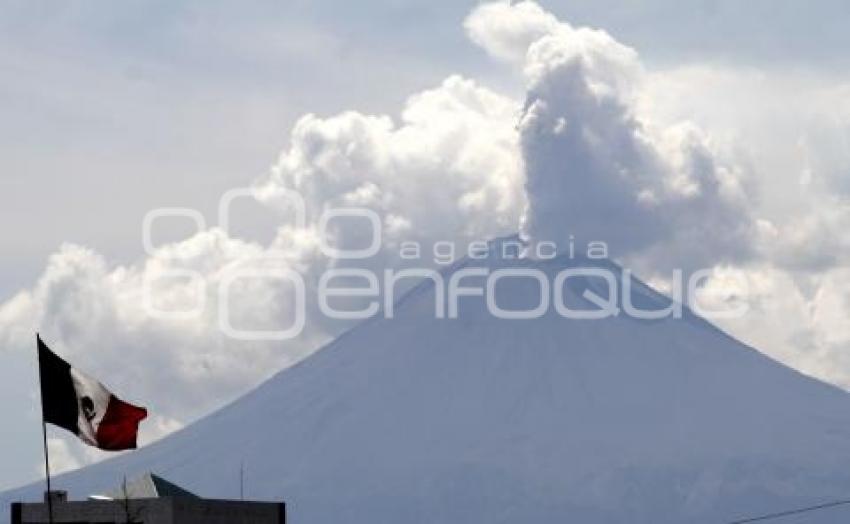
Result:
x=800 y=320
x=790 y=128
x=506 y=30
x=594 y=151
x=447 y=171
x=96 y=317
x=598 y=170
x=450 y=169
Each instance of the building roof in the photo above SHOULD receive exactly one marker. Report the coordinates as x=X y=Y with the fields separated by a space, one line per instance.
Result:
x=149 y=486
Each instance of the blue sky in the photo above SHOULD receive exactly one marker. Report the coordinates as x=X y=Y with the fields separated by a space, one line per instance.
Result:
x=110 y=110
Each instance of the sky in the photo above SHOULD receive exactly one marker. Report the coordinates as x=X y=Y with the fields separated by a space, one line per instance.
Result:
x=709 y=134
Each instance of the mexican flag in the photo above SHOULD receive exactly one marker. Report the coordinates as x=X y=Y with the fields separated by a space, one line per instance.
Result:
x=74 y=401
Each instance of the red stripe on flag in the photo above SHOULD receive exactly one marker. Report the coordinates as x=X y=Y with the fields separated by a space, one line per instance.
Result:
x=120 y=425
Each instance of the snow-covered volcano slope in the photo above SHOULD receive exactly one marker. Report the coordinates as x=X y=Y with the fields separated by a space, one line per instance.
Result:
x=417 y=419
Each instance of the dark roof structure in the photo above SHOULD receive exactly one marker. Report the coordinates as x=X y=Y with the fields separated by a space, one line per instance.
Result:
x=149 y=486
x=148 y=499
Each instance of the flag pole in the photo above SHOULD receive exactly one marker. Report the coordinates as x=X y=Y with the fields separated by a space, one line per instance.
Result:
x=47 y=472
x=44 y=438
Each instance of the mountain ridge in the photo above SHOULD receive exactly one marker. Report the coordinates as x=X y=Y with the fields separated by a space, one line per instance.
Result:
x=475 y=419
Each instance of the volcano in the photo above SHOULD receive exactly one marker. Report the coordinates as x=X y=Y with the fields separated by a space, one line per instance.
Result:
x=418 y=419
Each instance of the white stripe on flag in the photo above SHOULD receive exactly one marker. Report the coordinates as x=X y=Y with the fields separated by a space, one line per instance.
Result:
x=92 y=402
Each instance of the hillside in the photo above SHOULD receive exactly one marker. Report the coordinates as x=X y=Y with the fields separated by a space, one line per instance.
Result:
x=422 y=420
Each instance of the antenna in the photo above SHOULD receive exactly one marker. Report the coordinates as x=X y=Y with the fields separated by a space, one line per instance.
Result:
x=242 y=480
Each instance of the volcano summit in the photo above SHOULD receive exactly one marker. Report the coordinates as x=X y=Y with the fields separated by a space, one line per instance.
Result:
x=475 y=419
